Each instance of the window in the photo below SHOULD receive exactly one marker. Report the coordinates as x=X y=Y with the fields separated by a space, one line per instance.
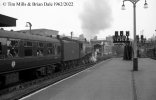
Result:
x=39 y=52
x=40 y=44
x=12 y=42
x=3 y=42
x=12 y=52
x=51 y=50
x=28 y=48
x=49 y=45
x=28 y=44
x=54 y=49
x=0 y=48
x=12 y=48
x=58 y=50
x=1 y=56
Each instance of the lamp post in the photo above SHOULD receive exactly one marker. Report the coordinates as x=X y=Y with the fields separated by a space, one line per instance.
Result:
x=135 y=59
x=71 y=34
x=28 y=24
x=155 y=37
x=102 y=48
x=155 y=41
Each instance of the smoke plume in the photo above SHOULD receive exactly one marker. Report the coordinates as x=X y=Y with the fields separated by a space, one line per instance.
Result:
x=96 y=16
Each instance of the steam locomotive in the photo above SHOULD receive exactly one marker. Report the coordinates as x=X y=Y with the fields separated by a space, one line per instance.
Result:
x=26 y=56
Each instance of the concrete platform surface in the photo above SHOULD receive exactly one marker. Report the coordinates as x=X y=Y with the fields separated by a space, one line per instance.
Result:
x=109 y=80
x=145 y=79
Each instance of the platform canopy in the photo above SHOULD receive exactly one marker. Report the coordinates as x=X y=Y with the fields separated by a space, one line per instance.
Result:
x=6 y=21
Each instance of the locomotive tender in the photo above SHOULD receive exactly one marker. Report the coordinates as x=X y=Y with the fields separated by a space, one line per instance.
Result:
x=26 y=56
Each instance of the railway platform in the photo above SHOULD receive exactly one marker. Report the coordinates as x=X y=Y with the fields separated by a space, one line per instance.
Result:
x=112 y=79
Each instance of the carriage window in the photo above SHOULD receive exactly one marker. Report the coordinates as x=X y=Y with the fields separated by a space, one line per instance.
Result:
x=0 y=48
x=3 y=42
x=28 y=48
x=39 y=52
x=49 y=45
x=12 y=48
x=58 y=49
x=1 y=56
x=12 y=52
x=40 y=44
x=12 y=43
x=28 y=44
x=55 y=49
x=51 y=50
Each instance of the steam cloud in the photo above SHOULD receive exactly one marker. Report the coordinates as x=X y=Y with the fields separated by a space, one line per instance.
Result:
x=95 y=17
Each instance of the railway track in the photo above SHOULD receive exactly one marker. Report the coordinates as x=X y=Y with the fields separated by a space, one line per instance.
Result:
x=25 y=88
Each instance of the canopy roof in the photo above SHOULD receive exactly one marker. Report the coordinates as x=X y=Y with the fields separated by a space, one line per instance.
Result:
x=6 y=21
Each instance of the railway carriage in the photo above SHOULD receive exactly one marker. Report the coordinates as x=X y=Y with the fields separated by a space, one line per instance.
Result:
x=20 y=52
x=25 y=57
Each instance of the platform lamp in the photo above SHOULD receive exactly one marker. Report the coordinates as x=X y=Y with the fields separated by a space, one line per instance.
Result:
x=28 y=24
x=135 y=59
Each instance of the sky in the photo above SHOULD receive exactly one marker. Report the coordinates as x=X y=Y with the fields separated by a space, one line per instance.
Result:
x=89 y=17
